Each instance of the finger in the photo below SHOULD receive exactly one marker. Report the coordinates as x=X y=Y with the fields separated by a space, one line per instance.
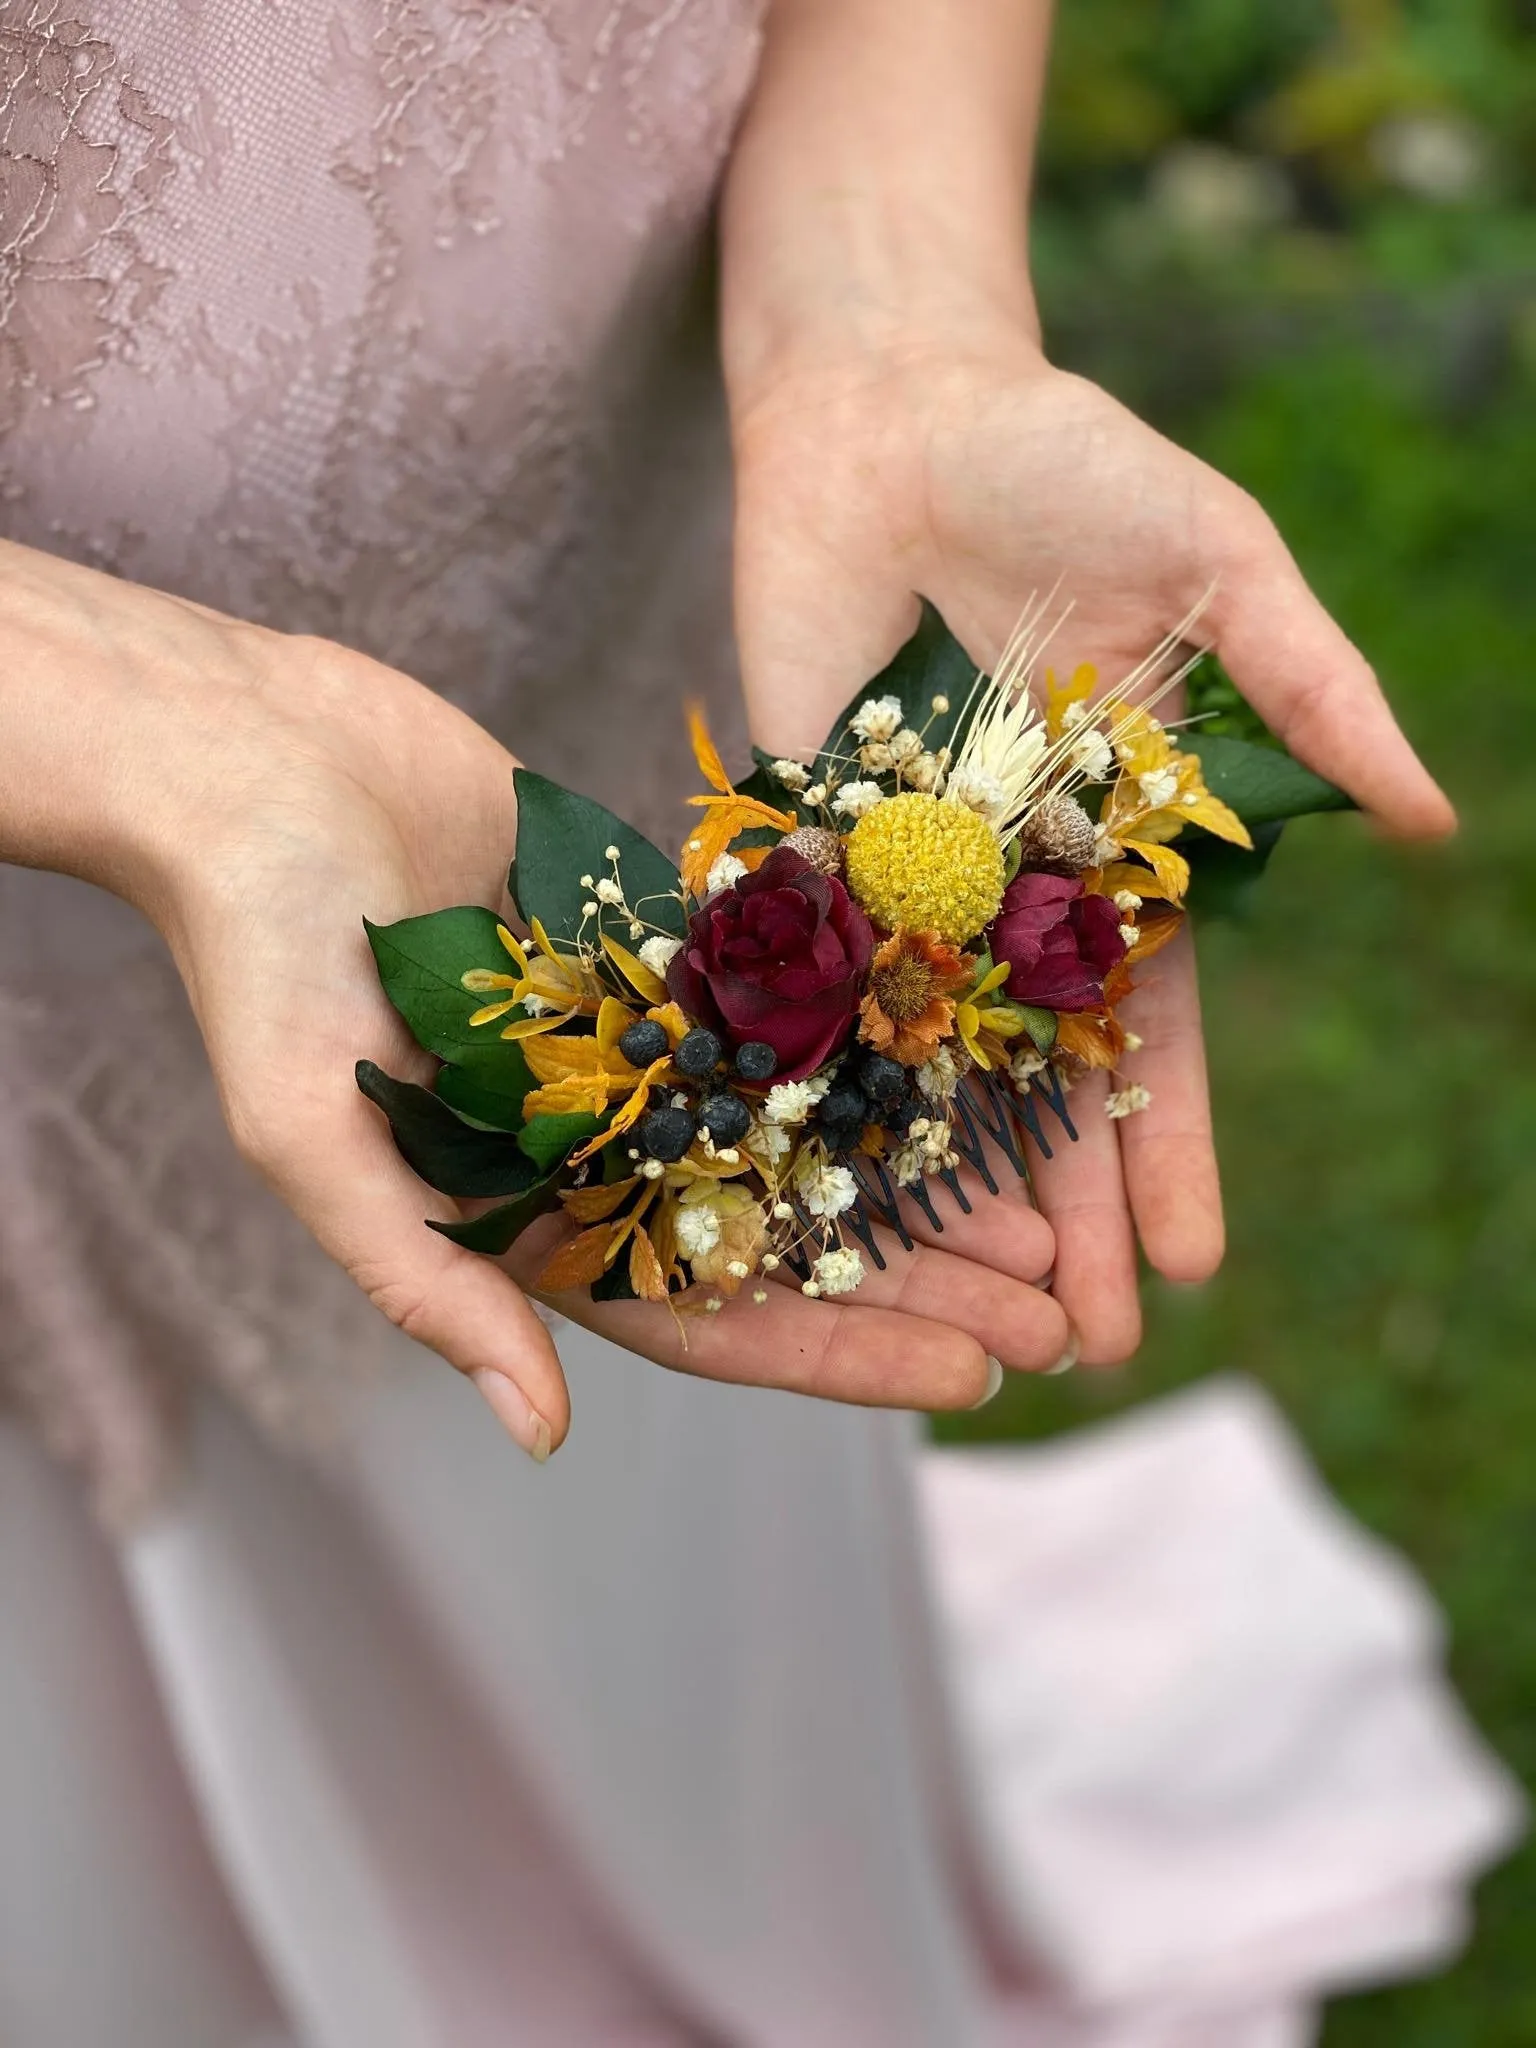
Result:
x=1168 y=1149
x=1081 y=1192
x=1004 y=1230
x=836 y=1351
x=346 y=1182
x=1018 y=1324
x=1310 y=683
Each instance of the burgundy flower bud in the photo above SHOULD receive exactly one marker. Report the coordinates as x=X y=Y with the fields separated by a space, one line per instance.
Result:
x=1059 y=941
x=778 y=958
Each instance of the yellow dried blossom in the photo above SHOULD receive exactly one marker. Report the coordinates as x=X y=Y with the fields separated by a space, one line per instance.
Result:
x=920 y=863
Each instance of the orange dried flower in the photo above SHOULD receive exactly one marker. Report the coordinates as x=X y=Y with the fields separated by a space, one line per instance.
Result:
x=909 y=1006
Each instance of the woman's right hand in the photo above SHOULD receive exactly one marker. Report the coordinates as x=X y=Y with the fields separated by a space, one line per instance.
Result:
x=257 y=794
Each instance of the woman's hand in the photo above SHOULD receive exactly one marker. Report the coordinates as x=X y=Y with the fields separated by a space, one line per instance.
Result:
x=970 y=471
x=257 y=795
x=899 y=433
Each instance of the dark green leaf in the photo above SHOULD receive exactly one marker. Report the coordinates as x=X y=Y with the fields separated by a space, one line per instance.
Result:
x=447 y=1153
x=421 y=961
x=931 y=664
x=1221 y=876
x=561 y=837
x=614 y=1284
x=498 y=1228
x=492 y=1091
x=1261 y=784
x=546 y=1139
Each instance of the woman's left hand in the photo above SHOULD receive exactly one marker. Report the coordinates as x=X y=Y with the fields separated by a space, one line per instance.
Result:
x=960 y=465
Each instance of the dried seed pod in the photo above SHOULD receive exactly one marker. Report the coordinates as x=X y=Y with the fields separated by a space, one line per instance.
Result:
x=1059 y=836
x=819 y=845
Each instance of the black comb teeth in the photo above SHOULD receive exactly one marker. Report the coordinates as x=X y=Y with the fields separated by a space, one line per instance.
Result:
x=985 y=1108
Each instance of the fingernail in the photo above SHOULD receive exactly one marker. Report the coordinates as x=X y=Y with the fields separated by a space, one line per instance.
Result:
x=510 y=1406
x=994 y=1383
x=1063 y=1364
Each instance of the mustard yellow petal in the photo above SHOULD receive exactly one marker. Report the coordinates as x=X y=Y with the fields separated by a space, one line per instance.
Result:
x=492 y=1011
x=514 y=947
x=613 y=1020
x=635 y=972
x=535 y=1027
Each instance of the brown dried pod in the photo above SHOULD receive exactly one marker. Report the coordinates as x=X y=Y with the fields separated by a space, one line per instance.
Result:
x=819 y=845
x=1058 y=836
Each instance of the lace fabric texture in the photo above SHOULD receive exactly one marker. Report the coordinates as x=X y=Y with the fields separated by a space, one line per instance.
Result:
x=382 y=321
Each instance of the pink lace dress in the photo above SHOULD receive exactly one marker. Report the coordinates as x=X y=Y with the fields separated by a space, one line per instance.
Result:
x=381 y=319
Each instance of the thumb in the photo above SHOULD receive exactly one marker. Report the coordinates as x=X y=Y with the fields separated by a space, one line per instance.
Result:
x=810 y=628
x=1312 y=685
x=344 y=1180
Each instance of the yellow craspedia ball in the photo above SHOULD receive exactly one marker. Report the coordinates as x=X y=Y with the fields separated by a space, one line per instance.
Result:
x=922 y=864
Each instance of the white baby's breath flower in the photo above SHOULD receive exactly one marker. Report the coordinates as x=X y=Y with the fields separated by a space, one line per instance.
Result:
x=906 y=746
x=725 y=870
x=825 y=1190
x=924 y=774
x=768 y=1144
x=1026 y=1063
x=713 y=1306
x=979 y=791
x=1127 y=1101
x=539 y=1006
x=939 y=1077
x=791 y=1102
x=907 y=1165
x=838 y=1272
x=1091 y=755
x=610 y=853
x=854 y=799
x=816 y=794
x=789 y=774
x=738 y=1269
x=659 y=953
x=1105 y=847
x=608 y=891
x=1134 y=1041
x=876 y=757
x=636 y=929
x=589 y=908
x=877 y=718
x=941 y=705
x=698 y=1229
x=811 y=1288
x=652 y=1169
x=1127 y=899
x=1128 y=935
x=1159 y=787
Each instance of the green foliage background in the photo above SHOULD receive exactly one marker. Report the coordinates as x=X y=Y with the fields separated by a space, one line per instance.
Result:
x=1300 y=238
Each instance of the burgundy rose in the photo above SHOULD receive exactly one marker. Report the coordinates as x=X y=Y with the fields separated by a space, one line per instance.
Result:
x=1059 y=942
x=780 y=956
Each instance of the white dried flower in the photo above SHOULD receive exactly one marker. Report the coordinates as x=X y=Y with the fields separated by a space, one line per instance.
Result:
x=1127 y=1101
x=769 y=1262
x=538 y=1006
x=1026 y=1063
x=1128 y=935
x=979 y=791
x=1105 y=847
x=1091 y=755
x=855 y=799
x=698 y=1229
x=838 y=1272
x=876 y=757
x=1134 y=1041
x=789 y=774
x=608 y=891
x=907 y=1165
x=589 y=908
x=941 y=705
x=653 y=1169
x=816 y=794
x=759 y=1295
x=636 y=929
x=939 y=1077
x=791 y=1102
x=809 y=1287
x=738 y=1269
x=1127 y=899
x=659 y=953
x=725 y=870
x=826 y=1190
x=877 y=718
x=713 y=1306
x=768 y=1144
x=1160 y=786
x=610 y=853
x=924 y=774
x=906 y=746
x=587 y=882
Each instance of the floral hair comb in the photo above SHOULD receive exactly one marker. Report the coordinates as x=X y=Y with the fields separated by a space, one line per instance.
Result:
x=870 y=979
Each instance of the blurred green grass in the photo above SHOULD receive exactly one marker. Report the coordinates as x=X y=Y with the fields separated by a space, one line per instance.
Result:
x=1363 y=360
